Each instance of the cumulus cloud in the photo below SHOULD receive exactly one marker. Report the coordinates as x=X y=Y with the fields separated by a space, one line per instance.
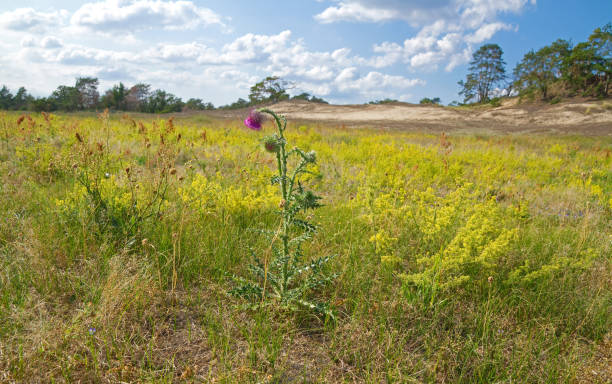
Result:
x=349 y=80
x=447 y=29
x=332 y=74
x=28 y=41
x=51 y=42
x=415 y=11
x=486 y=31
x=418 y=12
x=355 y=11
x=29 y=19
x=135 y=15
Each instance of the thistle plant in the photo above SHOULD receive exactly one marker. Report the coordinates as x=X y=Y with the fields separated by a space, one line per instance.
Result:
x=286 y=278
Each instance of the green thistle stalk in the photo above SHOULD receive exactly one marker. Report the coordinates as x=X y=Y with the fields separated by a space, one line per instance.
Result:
x=289 y=280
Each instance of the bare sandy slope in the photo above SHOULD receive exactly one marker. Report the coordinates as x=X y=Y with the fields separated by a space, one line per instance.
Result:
x=586 y=117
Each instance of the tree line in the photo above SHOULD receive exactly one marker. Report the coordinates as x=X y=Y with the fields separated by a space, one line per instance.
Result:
x=84 y=96
x=558 y=70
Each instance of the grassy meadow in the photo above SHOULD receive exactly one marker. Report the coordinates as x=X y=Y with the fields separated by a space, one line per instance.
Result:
x=459 y=258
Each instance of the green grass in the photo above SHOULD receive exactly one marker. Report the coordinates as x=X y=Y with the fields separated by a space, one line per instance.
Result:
x=158 y=295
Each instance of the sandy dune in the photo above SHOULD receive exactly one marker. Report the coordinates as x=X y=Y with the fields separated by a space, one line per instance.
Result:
x=589 y=117
x=577 y=116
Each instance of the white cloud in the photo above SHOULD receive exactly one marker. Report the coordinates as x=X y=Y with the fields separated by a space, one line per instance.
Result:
x=178 y=52
x=51 y=42
x=29 y=19
x=28 y=41
x=486 y=31
x=373 y=84
x=232 y=68
x=77 y=55
x=447 y=29
x=375 y=80
x=419 y=12
x=354 y=11
x=136 y=15
x=415 y=11
x=252 y=48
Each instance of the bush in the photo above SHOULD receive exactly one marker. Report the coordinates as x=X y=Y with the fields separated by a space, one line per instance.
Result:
x=427 y=100
x=495 y=102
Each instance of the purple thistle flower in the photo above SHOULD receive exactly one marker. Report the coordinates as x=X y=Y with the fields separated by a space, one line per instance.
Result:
x=254 y=120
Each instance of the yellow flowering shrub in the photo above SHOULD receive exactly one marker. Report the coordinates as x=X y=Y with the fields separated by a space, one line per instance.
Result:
x=384 y=247
x=472 y=253
x=207 y=195
x=528 y=273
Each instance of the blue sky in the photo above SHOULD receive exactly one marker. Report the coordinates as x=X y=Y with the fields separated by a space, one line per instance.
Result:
x=346 y=51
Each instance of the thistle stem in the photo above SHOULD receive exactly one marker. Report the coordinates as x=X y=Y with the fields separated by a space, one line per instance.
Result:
x=281 y=158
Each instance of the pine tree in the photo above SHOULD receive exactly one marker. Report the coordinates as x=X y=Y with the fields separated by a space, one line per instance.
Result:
x=486 y=70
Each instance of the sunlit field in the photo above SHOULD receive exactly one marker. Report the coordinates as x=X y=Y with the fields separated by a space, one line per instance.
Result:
x=468 y=259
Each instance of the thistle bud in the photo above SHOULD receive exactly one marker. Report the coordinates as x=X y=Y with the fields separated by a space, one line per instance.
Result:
x=271 y=144
x=311 y=157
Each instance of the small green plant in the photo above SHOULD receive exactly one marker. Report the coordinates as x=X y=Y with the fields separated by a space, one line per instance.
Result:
x=286 y=278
